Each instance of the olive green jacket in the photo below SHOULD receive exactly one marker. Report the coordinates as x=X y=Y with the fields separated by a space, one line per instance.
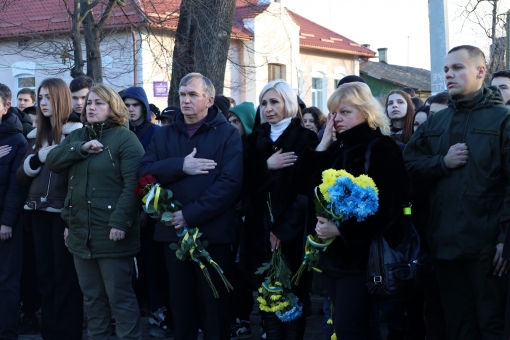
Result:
x=469 y=205
x=100 y=193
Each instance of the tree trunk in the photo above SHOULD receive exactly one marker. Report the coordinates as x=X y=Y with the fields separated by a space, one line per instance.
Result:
x=202 y=42
x=77 y=69
x=183 y=58
x=92 y=45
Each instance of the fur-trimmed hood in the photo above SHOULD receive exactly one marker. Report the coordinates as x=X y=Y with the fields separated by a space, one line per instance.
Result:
x=66 y=130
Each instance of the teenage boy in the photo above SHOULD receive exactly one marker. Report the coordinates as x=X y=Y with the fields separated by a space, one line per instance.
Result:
x=501 y=80
x=139 y=109
x=25 y=119
x=26 y=98
x=80 y=87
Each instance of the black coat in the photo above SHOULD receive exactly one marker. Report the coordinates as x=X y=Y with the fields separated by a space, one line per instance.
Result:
x=209 y=200
x=349 y=252
x=12 y=194
x=24 y=118
x=288 y=207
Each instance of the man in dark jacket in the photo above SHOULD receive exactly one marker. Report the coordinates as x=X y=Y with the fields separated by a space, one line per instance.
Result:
x=139 y=114
x=25 y=119
x=199 y=157
x=12 y=198
x=462 y=154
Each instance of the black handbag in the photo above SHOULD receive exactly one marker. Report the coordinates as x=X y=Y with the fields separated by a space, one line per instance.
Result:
x=397 y=273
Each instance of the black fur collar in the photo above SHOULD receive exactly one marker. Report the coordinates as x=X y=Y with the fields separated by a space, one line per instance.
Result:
x=359 y=134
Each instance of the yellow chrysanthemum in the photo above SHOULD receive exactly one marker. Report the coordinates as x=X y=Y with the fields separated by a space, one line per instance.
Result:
x=278 y=284
x=260 y=290
x=276 y=297
x=343 y=173
x=365 y=181
x=264 y=308
x=333 y=337
x=329 y=178
x=261 y=300
x=330 y=321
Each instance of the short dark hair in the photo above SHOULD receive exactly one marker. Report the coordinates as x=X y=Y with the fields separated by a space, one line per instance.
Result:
x=26 y=90
x=424 y=108
x=7 y=91
x=503 y=73
x=440 y=98
x=80 y=83
x=318 y=116
x=473 y=51
x=154 y=109
x=410 y=91
x=417 y=102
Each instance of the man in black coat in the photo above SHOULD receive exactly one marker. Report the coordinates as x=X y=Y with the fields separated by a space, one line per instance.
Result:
x=12 y=198
x=24 y=118
x=199 y=157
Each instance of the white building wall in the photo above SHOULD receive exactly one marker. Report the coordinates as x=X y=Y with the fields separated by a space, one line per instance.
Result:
x=43 y=59
x=331 y=66
x=276 y=40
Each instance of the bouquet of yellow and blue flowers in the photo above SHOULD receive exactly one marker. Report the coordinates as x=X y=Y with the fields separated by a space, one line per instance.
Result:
x=160 y=205
x=275 y=293
x=339 y=197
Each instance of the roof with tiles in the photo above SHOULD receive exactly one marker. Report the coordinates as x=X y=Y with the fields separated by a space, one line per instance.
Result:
x=416 y=78
x=50 y=17
x=315 y=36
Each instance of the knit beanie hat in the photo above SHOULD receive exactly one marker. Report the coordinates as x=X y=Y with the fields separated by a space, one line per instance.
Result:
x=350 y=79
x=223 y=104
x=246 y=114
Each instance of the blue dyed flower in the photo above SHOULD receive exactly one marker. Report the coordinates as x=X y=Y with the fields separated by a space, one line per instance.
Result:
x=349 y=199
x=292 y=314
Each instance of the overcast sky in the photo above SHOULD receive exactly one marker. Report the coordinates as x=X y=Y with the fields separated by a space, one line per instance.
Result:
x=400 y=25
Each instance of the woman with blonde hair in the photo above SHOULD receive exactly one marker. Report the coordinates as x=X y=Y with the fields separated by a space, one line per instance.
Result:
x=62 y=301
x=270 y=155
x=101 y=210
x=363 y=146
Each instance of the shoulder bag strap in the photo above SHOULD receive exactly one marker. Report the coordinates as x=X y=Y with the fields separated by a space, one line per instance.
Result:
x=367 y=155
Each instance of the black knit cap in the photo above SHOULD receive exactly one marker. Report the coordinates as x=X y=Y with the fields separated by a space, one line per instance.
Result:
x=223 y=104
x=350 y=79
x=169 y=112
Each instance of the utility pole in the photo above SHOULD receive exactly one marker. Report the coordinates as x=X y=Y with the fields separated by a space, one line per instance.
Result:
x=507 y=52
x=439 y=43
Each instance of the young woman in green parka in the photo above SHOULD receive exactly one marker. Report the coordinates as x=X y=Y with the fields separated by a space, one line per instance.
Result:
x=101 y=211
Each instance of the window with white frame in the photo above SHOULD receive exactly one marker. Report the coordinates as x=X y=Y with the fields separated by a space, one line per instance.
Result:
x=317 y=92
x=23 y=73
x=26 y=81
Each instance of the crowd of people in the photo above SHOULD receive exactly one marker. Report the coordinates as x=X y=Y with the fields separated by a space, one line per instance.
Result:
x=77 y=246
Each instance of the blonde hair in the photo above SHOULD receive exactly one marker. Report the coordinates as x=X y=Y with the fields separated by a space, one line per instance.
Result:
x=289 y=98
x=119 y=114
x=359 y=95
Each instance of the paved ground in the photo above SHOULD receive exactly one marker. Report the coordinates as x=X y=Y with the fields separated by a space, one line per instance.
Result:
x=313 y=325
x=313 y=329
